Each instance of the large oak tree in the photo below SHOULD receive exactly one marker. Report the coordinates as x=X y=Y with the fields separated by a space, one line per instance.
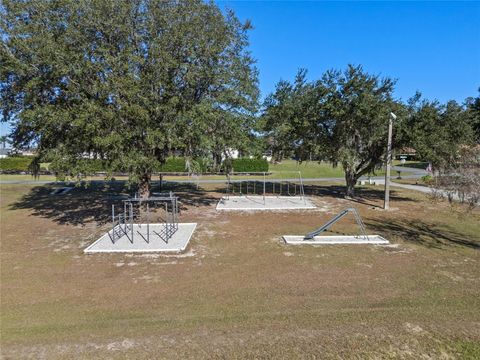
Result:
x=126 y=81
x=342 y=117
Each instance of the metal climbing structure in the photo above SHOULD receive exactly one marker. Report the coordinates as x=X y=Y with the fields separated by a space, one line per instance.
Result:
x=336 y=218
x=123 y=224
x=257 y=184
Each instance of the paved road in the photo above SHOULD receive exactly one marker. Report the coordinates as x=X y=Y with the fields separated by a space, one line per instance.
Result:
x=421 y=188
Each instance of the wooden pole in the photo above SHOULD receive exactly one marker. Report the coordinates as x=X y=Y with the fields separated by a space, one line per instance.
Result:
x=386 y=204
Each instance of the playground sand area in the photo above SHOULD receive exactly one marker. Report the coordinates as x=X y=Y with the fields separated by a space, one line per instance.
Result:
x=270 y=202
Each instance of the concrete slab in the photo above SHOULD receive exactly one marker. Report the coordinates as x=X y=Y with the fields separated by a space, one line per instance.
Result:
x=240 y=203
x=335 y=240
x=177 y=243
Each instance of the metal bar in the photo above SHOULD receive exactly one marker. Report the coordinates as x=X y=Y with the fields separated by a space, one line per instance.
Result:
x=228 y=186
x=360 y=223
x=324 y=227
x=263 y=188
x=131 y=221
x=302 y=190
x=113 y=224
x=332 y=221
x=166 y=222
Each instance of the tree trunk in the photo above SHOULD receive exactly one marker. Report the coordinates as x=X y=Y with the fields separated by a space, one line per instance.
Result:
x=217 y=160
x=161 y=182
x=351 y=180
x=144 y=186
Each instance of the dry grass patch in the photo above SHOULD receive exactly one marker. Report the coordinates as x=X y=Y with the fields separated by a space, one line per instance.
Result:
x=238 y=291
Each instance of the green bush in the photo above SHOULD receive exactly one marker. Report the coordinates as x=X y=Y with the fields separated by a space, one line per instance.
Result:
x=201 y=165
x=92 y=165
x=173 y=164
x=15 y=163
x=250 y=165
x=427 y=179
x=77 y=166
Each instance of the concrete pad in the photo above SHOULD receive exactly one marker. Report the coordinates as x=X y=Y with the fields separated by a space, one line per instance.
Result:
x=335 y=240
x=177 y=243
x=240 y=203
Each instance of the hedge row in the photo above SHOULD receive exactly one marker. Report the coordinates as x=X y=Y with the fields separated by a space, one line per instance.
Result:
x=15 y=163
x=250 y=165
x=173 y=164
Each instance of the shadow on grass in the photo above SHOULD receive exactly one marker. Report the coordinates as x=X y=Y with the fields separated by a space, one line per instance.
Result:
x=421 y=233
x=189 y=194
x=94 y=203
x=365 y=196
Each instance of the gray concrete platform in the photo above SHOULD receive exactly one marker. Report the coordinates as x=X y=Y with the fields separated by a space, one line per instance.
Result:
x=256 y=202
x=335 y=240
x=177 y=243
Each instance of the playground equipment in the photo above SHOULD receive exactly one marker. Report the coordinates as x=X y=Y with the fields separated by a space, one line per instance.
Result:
x=336 y=218
x=314 y=238
x=123 y=224
x=254 y=191
x=257 y=184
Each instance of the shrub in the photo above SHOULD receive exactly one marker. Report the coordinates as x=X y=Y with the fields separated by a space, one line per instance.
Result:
x=77 y=166
x=15 y=163
x=201 y=166
x=427 y=179
x=173 y=164
x=250 y=165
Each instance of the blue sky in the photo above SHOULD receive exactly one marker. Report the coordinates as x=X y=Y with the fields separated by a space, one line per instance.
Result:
x=433 y=47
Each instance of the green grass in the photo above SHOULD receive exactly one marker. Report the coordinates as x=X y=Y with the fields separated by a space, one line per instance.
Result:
x=313 y=169
x=308 y=169
x=412 y=164
x=285 y=169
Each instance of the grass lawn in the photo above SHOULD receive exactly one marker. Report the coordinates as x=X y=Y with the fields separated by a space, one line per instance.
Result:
x=26 y=177
x=287 y=169
x=308 y=169
x=412 y=164
x=238 y=291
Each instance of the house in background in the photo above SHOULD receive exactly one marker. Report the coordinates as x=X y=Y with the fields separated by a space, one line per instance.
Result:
x=4 y=152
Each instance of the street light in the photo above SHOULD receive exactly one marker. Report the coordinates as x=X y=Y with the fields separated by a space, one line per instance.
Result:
x=386 y=204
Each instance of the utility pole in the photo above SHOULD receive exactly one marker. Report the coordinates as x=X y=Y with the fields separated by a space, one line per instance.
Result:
x=386 y=204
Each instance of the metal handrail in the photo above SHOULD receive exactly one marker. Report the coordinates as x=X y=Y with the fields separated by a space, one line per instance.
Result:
x=336 y=218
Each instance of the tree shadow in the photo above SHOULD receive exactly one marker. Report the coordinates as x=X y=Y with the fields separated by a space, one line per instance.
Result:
x=422 y=233
x=189 y=194
x=364 y=196
x=93 y=203
x=77 y=207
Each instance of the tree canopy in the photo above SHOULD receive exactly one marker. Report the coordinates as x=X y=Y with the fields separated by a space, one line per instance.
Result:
x=125 y=81
x=437 y=131
x=341 y=117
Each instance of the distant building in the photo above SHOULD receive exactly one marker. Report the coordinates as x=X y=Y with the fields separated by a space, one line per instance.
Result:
x=4 y=153
x=232 y=154
x=406 y=153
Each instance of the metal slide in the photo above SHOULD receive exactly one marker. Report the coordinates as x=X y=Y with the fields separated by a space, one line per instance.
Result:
x=332 y=221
